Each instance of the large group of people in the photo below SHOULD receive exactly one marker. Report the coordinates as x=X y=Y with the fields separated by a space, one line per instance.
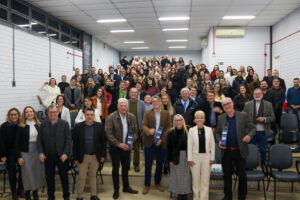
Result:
x=176 y=113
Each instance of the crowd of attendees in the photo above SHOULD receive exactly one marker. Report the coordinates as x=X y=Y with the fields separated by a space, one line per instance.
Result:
x=176 y=112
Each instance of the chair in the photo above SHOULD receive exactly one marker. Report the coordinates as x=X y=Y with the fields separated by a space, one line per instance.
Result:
x=280 y=159
x=218 y=160
x=289 y=125
x=3 y=171
x=73 y=116
x=101 y=165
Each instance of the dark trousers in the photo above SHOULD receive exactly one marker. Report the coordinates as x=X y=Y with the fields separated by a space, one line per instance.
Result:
x=13 y=169
x=119 y=156
x=136 y=151
x=261 y=139
x=51 y=163
x=232 y=161
x=150 y=153
x=278 y=113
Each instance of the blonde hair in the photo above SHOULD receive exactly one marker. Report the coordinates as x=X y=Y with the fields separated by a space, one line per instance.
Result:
x=184 y=125
x=23 y=120
x=200 y=113
x=8 y=115
x=169 y=106
x=92 y=84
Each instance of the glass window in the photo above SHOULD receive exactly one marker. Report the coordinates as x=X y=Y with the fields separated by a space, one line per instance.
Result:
x=3 y=14
x=19 y=7
x=53 y=34
x=53 y=23
x=3 y=2
x=38 y=16
x=75 y=34
x=38 y=28
x=20 y=21
x=65 y=29
x=65 y=38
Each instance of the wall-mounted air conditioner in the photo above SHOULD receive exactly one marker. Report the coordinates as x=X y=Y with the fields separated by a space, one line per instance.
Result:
x=230 y=32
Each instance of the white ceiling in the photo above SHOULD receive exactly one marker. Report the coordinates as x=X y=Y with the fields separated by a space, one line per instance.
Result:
x=142 y=16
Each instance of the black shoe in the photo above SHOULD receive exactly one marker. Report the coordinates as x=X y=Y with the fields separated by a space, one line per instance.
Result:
x=95 y=198
x=130 y=190
x=179 y=197
x=51 y=198
x=166 y=169
x=116 y=194
x=27 y=195
x=227 y=198
x=80 y=198
x=35 y=195
x=21 y=193
x=67 y=198
x=184 y=197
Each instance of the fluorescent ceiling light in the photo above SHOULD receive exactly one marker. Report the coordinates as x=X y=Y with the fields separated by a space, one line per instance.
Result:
x=134 y=42
x=183 y=40
x=177 y=47
x=173 y=18
x=122 y=31
x=238 y=17
x=175 y=29
x=111 y=20
x=140 y=48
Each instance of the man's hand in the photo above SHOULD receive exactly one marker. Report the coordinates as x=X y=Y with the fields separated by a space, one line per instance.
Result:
x=151 y=131
x=3 y=159
x=123 y=146
x=72 y=105
x=64 y=157
x=191 y=163
x=171 y=164
x=222 y=147
x=158 y=143
x=21 y=161
x=46 y=83
x=260 y=119
x=247 y=139
x=102 y=160
x=76 y=162
x=42 y=158
x=217 y=110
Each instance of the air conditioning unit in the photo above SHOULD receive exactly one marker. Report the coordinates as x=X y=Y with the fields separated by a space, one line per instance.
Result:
x=230 y=32
x=204 y=43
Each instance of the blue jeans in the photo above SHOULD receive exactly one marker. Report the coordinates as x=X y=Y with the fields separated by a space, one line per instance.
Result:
x=297 y=113
x=159 y=153
x=261 y=139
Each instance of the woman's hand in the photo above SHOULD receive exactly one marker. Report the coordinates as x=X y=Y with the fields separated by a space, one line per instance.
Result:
x=21 y=161
x=171 y=164
x=46 y=83
x=212 y=162
x=191 y=163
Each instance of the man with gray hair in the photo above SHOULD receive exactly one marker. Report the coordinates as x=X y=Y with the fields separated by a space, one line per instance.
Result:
x=185 y=106
x=121 y=131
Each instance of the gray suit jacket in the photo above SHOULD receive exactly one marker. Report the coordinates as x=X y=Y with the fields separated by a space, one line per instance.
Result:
x=68 y=97
x=63 y=138
x=140 y=112
x=243 y=126
x=268 y=114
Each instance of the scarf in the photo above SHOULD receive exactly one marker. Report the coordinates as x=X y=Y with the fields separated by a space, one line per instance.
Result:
x=260 y=112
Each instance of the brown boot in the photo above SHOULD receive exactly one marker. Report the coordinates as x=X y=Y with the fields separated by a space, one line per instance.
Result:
x=146 y=190
x=160 y=188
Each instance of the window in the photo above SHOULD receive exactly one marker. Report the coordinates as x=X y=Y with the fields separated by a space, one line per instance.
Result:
x=65 y=38
x=52 y=23
x=20 y=21
x=38 y=16
x=38 y=28
x=65 y=29
x=75 y=34
x=52 y=34
x=3 y=14
x=20 y=7
x=3 y=2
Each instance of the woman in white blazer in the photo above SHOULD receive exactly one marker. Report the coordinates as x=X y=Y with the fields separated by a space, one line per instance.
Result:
x=52 y=91
x=87 y=103
x=64 y=112
x=201 y=155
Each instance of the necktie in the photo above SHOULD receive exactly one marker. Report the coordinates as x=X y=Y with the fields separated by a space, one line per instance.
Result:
x=184 y=106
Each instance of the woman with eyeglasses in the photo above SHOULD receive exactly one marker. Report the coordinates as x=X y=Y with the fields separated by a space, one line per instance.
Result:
x=33 y=172
x=8 y=154
x=201 y=155
x=180 y=174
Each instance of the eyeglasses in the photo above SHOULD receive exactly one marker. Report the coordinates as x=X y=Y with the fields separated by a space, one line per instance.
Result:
x=178 y=120
x=52 y=112
x=226 y=104
x=155 y=101
x=14 y=114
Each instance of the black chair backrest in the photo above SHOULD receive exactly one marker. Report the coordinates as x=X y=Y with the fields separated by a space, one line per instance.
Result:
x=218 y=154
x=73 y=116
x=289 y=121
x=252 y=158
x=280 y=156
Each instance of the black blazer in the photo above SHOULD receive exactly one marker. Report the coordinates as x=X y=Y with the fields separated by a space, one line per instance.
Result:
x=63 y=138
x=173 y=147
x=22 y=139
x=79 y=141
x=8 y=136
x=205 y=107
x=188 y=115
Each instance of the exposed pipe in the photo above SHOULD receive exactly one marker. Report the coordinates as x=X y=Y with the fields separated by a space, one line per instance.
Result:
x=13 y=59
x=214 y=36
x=266 y=44
x=271 y=47
x=50 y=64
x=73 y=54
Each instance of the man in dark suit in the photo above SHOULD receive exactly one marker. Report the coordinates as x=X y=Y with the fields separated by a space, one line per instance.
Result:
x=54 y=147
x=119 y=125
x=114 y=77
x=72 y=96
x=239 y=130
x=89 y=149
x=119 y=67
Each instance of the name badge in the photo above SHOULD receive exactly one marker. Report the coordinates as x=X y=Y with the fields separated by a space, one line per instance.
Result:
x=129 y=140
x=224 y=136
x=157 y=135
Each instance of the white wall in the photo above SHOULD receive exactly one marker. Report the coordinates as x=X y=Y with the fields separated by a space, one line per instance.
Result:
x=104 y=55
x=195 y=56
x=248 y=50
x=31 y=67
x=288 y=49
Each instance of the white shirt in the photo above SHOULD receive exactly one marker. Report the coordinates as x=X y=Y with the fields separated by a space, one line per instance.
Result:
x=259 y=126
x=125 y=126
x=99 y=106
x=32 y=131
x=157 y=119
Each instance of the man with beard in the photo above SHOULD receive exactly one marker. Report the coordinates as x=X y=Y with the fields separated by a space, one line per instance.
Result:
x=293 y=100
